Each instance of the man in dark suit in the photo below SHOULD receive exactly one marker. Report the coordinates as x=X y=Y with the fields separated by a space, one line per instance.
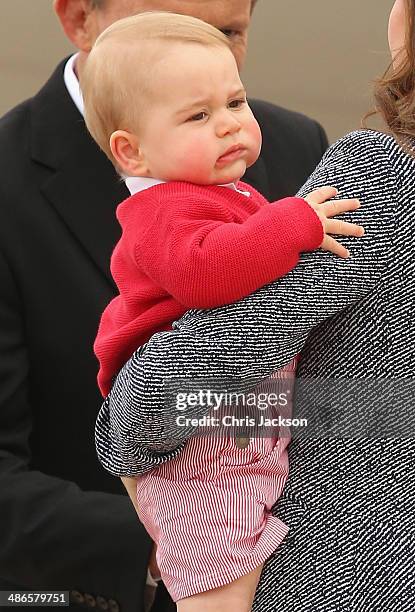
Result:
x=64 y=523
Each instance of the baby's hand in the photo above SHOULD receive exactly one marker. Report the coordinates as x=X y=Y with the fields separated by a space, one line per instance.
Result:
x=325 y=208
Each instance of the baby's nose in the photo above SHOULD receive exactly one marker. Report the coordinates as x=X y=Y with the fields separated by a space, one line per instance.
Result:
x=227 y=124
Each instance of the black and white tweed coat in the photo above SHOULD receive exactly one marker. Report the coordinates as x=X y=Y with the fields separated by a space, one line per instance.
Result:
x=350 y=501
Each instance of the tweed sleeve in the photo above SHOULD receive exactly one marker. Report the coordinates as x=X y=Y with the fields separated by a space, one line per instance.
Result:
x=263 y=332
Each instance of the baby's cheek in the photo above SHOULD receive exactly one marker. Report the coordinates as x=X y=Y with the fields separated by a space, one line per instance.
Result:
x=254 y=132
x=196 y=161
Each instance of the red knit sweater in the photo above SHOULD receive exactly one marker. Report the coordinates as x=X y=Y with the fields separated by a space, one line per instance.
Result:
x=188 y=246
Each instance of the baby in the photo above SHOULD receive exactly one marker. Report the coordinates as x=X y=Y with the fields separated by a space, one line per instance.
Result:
x=164 y=101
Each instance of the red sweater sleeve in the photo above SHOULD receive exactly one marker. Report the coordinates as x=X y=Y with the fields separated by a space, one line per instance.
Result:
x=192 y=250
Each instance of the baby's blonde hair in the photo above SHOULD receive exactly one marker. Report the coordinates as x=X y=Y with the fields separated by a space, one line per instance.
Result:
x=116 y=79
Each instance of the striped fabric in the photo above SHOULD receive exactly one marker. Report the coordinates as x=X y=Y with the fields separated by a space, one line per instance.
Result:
x=209 y=511
x=349 y=503
x=214 y=502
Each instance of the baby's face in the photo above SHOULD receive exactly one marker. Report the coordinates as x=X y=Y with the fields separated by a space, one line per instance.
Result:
x=198 y=126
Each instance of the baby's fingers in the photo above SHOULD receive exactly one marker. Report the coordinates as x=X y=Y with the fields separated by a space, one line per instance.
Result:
x=331 y=245
x=343 y=228
x=321 y=195
x=337 y=207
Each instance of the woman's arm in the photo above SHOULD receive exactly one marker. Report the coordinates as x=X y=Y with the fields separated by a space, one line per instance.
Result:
x=254 y=337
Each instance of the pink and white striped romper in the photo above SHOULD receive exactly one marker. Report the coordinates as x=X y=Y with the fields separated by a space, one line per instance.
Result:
x=209 y=509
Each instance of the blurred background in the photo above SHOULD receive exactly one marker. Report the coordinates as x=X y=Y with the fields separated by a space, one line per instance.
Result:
x=317 y=57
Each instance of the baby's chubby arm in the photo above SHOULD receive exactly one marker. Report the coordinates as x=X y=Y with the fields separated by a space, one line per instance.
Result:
x=204 y=260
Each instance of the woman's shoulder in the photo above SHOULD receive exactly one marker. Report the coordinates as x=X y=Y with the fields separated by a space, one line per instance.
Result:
x=374 y=168
x=375 y=156
x=372 y=146
x=366 y=164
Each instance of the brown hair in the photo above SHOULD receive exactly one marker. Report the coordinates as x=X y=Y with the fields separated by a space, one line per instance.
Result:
x=394 y=92
x=116 y=79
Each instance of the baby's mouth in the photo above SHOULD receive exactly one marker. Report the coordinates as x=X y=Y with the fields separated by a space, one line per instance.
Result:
x=234 y=152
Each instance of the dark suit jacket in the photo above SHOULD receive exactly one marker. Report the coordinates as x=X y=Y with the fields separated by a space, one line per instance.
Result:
x=64 y=522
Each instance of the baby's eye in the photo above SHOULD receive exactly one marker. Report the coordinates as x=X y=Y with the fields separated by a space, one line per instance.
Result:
x=230 y=33
x=237 y=103
x=198 y=117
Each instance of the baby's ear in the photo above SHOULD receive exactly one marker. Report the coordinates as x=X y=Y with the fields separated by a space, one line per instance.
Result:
x=127 y=153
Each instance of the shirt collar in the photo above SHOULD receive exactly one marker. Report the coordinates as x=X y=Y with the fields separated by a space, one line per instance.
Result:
x=140 y=183
x=235 y=188
x=72 y=83
x=134 y=183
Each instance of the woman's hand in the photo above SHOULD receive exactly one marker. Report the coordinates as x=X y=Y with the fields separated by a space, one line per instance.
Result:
x=325 y=208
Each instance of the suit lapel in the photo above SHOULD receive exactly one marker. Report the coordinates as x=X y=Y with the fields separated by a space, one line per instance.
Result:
x=82 y=185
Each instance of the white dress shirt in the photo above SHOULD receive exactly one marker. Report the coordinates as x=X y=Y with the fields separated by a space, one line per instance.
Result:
x=72 y=83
